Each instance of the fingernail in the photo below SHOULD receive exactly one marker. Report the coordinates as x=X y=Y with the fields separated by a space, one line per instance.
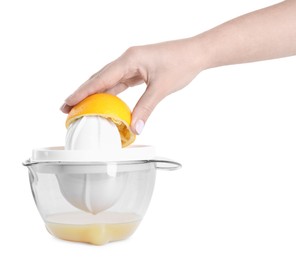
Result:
x=65 y=108
x=139 y=126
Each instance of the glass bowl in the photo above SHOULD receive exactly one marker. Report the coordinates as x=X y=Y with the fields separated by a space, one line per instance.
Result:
x=94 y=202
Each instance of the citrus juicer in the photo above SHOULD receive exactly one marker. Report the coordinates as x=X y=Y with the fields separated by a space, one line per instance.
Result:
x=93 y=190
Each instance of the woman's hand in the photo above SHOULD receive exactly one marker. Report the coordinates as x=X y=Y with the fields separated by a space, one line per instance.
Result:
x=163 y=67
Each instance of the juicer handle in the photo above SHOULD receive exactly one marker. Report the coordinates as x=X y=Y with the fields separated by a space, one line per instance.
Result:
x=162 y=163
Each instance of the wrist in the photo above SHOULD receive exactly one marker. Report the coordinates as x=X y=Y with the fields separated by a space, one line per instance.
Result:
x=201 y=55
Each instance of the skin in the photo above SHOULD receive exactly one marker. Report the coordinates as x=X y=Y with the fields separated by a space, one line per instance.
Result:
x=167 y=67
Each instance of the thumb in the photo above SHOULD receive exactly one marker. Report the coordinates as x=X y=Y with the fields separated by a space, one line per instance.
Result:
x=144 y=108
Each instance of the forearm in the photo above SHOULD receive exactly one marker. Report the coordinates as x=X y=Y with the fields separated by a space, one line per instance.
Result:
x=264 y=34
x=169 y=66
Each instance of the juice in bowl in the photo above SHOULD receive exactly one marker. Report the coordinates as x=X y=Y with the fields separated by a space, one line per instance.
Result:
x=109 y=227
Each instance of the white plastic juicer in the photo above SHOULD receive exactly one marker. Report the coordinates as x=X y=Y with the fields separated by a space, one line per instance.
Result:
x=94 y=195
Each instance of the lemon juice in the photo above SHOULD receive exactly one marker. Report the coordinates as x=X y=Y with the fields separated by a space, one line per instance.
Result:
x=94 y=229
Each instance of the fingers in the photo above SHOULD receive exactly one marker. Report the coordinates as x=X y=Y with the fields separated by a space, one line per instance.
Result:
x=144 y=108
x=118 y=88
x=94 y=75
x=65 y=108
x=108 y=77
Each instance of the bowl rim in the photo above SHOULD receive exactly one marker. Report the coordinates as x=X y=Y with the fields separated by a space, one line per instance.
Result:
x=161 y=163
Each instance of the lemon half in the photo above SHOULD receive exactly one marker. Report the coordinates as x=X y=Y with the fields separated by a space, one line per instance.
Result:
x=107 y=106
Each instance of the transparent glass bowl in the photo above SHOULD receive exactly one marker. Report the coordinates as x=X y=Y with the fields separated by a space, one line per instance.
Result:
x=94 y=202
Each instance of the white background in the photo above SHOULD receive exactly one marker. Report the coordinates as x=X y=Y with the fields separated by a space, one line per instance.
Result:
x=233 y=129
